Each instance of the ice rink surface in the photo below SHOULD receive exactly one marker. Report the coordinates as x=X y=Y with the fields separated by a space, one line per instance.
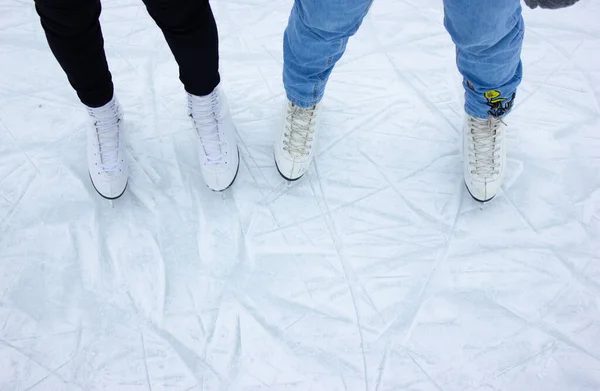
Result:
x=375 y=272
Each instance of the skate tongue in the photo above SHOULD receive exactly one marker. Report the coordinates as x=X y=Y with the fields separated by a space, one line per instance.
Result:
x=484 y=145
x=108 y=144
x=300 y=131
x=106 y=123
x=204 y=112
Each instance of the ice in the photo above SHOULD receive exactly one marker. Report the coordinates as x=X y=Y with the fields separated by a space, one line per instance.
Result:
x=375 y=272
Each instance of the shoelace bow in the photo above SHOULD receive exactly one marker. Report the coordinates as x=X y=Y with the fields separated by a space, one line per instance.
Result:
x=204 y=112
x=106 y=122
x=484 y=150
x=299 y=131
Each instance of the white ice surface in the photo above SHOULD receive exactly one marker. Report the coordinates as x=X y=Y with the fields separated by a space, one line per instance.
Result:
x=375 y=272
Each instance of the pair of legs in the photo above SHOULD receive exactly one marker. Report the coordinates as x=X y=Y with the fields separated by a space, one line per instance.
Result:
x=74 y=35
x=488 y=35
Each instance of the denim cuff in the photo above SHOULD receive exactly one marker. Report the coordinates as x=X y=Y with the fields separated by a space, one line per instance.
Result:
x=483 y=114
x=303 y=103
x=489 y=103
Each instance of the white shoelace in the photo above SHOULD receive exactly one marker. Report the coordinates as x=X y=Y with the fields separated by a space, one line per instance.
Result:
x=484 y=146
x=204 y=110
x=299 y=130
x=106 y=121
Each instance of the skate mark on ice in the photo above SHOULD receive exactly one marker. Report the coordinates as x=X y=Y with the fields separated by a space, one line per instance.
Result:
x=578 y=275
x=145 y=360
x=409 y=354
x=8 y=288
x=349 y=274
x=18 y=147
x=154 y=178
x=436 y=224
x=567 y=59
x=381 y=367
x=325 y=358
x=305 y=310
x=15 y=205
x=546 y=329
x=50 y=374
x=194 y=309
x=195 y=364
x=368 y=120
x=37 y=362
x=36 y=337
x=236 y=356
x=442 y=257
x=551 y=347
x=432 y=107
x=148 y=86
x=321 y=214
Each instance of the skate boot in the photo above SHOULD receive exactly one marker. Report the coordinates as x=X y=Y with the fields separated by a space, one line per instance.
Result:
x=484 y=156
x=218 y=151
x=295 y=145
x=106 y=150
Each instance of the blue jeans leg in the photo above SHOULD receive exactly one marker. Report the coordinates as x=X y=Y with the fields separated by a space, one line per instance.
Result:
x=489 y=36
x=314 y=40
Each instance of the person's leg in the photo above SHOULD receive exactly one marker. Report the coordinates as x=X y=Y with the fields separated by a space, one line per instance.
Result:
x=75 y=38
x=314 y=40
x=191 y=32
x=489 y=36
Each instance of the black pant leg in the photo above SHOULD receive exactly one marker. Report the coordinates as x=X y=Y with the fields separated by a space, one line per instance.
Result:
x=75 y=38
x=191 y=33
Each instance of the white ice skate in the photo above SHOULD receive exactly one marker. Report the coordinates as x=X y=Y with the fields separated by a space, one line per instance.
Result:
x=484 y=156
x=106 y=150
x=295 y=144
x=219 y=156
